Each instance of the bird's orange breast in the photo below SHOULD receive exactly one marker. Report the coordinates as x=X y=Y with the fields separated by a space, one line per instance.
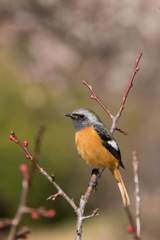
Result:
x=89 y=146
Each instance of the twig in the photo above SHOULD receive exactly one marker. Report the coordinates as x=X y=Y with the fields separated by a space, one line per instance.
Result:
x=135 y=231
x=95 y=97
x=38 y=140
x=132 y=228
x=115 y=118
x=24 y=193
x=50 y=178
x=136 y=180
x=18 y=216
x=135 y=70
x=22 y=234
x=82 y=205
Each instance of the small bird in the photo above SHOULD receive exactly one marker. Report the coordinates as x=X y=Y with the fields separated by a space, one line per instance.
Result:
x=97 y=146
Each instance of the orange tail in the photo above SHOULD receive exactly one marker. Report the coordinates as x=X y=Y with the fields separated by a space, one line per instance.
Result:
x=117 y=176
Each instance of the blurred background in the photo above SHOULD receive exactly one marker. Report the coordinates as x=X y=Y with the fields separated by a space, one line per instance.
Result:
x=47 y=48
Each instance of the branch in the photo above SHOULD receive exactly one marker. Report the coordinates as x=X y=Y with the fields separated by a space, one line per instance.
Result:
x=50 y=178
x=115 y=118
x=135 y=70
x=82 y=205
x=25 y=189
x=135 y=231
x=38 y=140
x=136 y=180
x=95 y=97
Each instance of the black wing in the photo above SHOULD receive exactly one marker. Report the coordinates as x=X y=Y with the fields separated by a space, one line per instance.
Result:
x=107 y=137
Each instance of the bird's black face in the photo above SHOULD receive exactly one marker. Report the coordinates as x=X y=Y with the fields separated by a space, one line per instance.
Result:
x=83 y=118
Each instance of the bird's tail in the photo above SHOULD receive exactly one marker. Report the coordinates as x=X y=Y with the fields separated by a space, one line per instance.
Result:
x=122 y=188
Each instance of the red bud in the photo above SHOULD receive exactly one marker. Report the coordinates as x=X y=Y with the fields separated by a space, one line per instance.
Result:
x=11 y=137
x=23 y=168
x=23 y=236
x=129 y=229
x=25 y=143
x=27 y=156
x=1 y=224
x=35 y=215
x=51 y=213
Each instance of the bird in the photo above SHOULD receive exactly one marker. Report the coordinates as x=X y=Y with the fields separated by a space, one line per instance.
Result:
x=97 y=146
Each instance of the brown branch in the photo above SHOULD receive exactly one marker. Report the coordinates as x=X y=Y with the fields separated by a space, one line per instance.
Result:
x=22 y=234
x=82 y=205
x=115 y=118
x=131 y=229
x=136 y=180
x=50 y=178
x=18 y=216
x=135 y=70
x=95 y=97
x=135 y=231
x=38 y=140
x=24 y=193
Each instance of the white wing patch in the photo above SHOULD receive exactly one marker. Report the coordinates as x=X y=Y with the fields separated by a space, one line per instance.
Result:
x=113 y=144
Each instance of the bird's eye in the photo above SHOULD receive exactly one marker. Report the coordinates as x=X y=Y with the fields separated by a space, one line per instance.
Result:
x=81 y=116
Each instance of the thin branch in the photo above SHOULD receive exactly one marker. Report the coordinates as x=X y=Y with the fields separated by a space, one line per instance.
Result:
x=82 y=205
x=18 y=216
x=22 y=234
x=135 y=70
x=25 y=189
x=38 y=140
x=95 y=97
x=136 y=180
x=132 y=229
x=50 y=178
x=115 y=118
x=132 y=224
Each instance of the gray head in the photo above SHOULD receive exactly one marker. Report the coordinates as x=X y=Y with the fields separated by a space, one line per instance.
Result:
x=84 y=117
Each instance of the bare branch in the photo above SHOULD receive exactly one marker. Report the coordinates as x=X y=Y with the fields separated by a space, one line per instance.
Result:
x=135 y=231
x=27 y=178
x=38 y=139
x=83 y=202
x=135 y=70
x=136 y=180
x=95 y=97
x=115 y=118
x=132 y=224
x=50 y=178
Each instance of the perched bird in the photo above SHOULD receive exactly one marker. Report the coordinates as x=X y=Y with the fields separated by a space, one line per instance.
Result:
x=97 y=146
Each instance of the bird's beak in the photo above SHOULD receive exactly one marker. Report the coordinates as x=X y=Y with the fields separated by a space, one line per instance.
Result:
x=69 y=115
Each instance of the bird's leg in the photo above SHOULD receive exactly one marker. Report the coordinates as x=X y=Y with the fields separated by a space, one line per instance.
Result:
x=99 y=175
x=95 y=171
x=93 y=182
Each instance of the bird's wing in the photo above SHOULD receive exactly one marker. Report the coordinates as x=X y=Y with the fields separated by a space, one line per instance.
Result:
x=108 y=141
